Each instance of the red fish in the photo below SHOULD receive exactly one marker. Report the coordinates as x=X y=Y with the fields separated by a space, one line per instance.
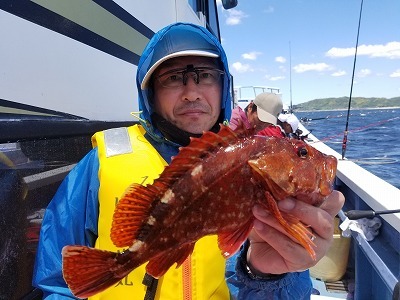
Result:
x=209 y=188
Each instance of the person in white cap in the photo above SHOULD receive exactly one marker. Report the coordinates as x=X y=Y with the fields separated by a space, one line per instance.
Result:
x=261 y=114
x=289 y=123
x=269 y=107
x=183 y=84
x=248 y=116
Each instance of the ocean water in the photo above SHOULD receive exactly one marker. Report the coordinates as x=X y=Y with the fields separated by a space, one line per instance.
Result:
x=373 y=140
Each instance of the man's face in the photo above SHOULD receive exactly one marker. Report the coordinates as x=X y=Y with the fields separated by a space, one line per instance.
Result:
x=286 y=126
x=192 y=107
x=254 y=120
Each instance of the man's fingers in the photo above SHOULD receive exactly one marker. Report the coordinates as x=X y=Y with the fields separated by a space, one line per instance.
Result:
x=333 y=203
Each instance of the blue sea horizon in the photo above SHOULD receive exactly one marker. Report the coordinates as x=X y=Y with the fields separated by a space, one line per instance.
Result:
x=372 y=141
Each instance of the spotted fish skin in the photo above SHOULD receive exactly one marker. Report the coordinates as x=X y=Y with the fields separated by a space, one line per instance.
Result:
x=210 y=187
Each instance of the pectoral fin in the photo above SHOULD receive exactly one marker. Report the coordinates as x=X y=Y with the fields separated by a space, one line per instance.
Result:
x=230 y=242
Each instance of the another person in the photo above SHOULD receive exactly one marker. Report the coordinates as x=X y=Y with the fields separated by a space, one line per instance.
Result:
x=183 y=85
x=289 y=124
x=249 y=116
x=261 y=114
x=271 y=105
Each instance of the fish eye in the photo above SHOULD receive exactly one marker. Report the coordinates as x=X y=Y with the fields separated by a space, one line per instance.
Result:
x=302 y=152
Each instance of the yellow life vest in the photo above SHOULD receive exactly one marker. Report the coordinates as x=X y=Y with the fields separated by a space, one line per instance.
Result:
x=126 y=157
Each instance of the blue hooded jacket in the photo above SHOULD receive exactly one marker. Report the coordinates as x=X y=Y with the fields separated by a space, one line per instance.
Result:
x=72 y=215
x=169 y=40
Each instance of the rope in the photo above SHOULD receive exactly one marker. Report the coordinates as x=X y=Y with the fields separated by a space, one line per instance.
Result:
x=374 y=160
x=364 y=160
x=327 y=139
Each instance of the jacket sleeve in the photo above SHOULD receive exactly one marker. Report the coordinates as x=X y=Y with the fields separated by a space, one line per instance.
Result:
x=70 y=219
x=234 y=121
x=296 y=285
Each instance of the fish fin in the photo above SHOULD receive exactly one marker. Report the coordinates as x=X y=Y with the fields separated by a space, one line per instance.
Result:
x=199 y=148
x=131 y=212
x=160 y=264
x=292 y=225
x=230 y=242
x=88 y=271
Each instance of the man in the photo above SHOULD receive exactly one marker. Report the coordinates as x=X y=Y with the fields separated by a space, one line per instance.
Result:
x=289 y=123
x=183 y=83
x=271 y=105
x=260 y=113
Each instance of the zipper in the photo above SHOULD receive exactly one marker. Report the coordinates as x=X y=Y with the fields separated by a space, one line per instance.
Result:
x=187 y=278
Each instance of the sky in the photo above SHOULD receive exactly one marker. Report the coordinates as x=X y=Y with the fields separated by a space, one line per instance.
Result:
x=306 y=47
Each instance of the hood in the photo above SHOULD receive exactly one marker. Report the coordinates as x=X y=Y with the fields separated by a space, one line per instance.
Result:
x=178 y=37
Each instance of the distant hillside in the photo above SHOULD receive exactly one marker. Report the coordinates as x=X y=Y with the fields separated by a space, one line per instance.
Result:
x=343 y=102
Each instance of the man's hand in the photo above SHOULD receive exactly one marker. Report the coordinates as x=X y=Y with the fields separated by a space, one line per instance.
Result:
x=272 y=251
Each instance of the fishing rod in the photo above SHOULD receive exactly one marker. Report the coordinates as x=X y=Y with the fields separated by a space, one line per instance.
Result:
x=290 y=79
x=351 y=87
x=358 y=214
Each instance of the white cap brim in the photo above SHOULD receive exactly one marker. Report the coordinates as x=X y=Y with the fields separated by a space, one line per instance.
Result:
x=147 y=77
x=266 y=116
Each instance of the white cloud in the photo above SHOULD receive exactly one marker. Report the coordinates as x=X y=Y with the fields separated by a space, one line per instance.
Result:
x=339 y=73
x=235 y=17
x=340 y=52
x=395 y=73
x=241 y=68
x=276 y=78
x=364 y=73
x=301 y=68
x=391 y=50
x=280 y=59
x=251 y=55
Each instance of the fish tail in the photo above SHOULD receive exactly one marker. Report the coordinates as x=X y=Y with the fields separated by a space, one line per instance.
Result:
x=88 y=271
x=293 y=226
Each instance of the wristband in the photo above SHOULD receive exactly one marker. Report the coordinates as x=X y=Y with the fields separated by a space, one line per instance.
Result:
x=255 y=275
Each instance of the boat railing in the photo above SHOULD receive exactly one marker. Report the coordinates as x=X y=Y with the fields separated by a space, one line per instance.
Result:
x=382 y=254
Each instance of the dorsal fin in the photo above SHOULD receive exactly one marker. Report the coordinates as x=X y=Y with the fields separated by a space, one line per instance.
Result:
x=199 y=148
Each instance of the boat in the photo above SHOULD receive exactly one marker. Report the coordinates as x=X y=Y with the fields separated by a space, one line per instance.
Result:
x=372 y=268
x=63 y=64
x=243 y=95
x=58 y=81
x=354 y=268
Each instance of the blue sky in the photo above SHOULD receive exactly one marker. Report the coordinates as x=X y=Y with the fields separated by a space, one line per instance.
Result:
x=260 y=36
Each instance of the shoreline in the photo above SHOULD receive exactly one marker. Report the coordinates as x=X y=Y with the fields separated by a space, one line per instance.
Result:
x=345 y=109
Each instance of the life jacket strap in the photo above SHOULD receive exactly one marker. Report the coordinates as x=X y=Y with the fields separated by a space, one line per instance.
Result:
x=151 y=284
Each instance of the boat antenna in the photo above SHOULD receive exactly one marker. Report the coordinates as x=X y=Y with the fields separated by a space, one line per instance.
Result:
x=290 y=78
x=346 y=132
